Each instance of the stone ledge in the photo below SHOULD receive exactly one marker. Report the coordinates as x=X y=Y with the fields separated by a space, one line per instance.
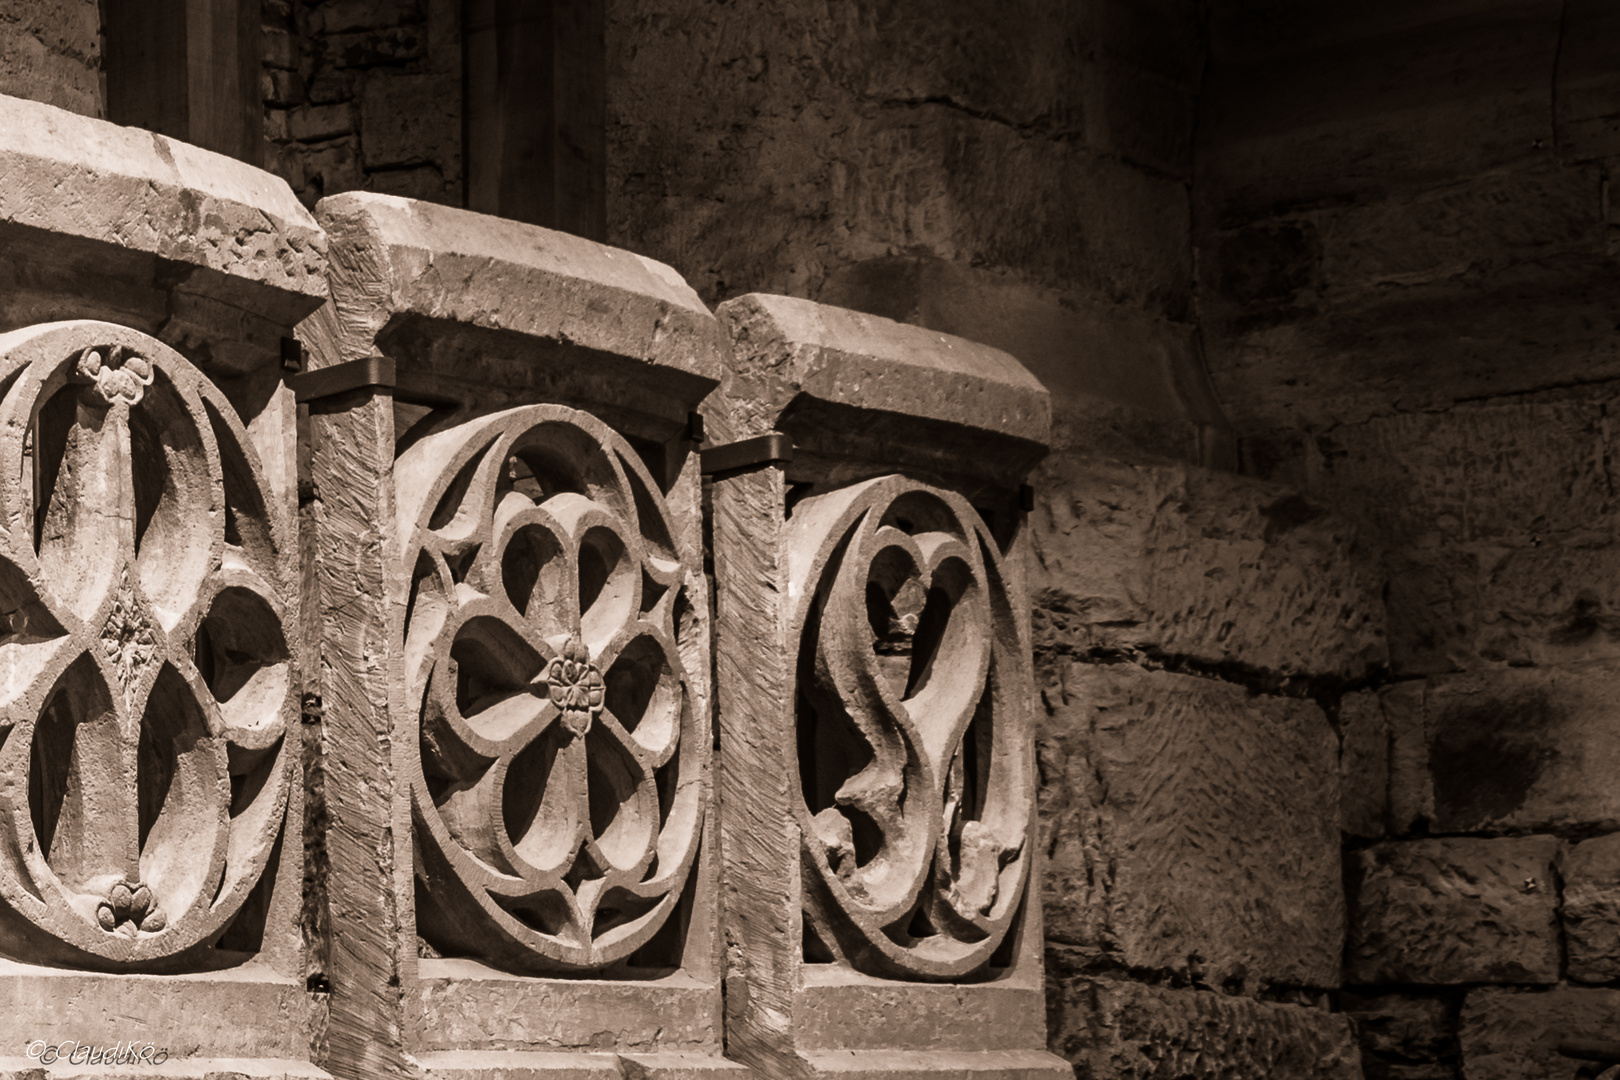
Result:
x=14 y=1068
x=937 y=1065
x=409 y=258
x=77 y=189
x=835 y=378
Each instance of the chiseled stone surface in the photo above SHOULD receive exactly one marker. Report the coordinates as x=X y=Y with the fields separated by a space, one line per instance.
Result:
x=1455 y=910
x=128 y=188
x=1511 y=749
x=1191 y=826
x=1514 y=1034
x=1112 y=1029
x=1591 y=911
x=1404 y=1035
x=50 y=51
x=1364 y=749
x=1189 y=562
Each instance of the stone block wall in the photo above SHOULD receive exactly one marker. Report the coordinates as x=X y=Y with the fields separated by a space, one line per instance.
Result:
x=1203 y=641
x=1403 y=228
x=51 y=51
x=364 y=95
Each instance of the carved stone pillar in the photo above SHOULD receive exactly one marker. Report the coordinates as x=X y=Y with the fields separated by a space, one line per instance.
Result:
x=516 y=652
x=151 y=794
x=877 y=779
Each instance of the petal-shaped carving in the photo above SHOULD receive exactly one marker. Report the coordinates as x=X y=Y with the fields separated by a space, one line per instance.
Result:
x=184 y=798
x=569 y=835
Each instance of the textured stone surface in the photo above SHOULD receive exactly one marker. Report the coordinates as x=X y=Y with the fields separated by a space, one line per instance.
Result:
x=851 y=388
x=1191 y=826
x=1522 y=748
x=1191 y=563
x=1364 y=750
x=1454 y=911
x=1401 y=1033
x=1514 y=1035
x=1591 y=911
x=1116 y=1030
x=51 y=52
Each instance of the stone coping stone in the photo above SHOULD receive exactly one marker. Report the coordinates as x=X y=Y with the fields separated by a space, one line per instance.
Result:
x=543 y=1065
x=938 y=1065
x=130 y=189
x=800 y=365
x=462 y=267
x=197 y=1068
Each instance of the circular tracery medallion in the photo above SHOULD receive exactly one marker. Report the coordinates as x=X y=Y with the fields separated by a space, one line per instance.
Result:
x=144 y=669
x=915 y=743
x=558 y=792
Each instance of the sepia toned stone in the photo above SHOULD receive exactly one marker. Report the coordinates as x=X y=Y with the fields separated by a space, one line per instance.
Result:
x=1171 y=560
x=1513 y=1034
x=1449 y=911
x=1191 y=827
x=1591 y=910
x=1114 y=1029
x=1364 y=753
x=877 y=784
x=511 y=551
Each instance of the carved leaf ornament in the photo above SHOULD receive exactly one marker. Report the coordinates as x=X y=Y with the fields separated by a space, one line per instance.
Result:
x=144 y=668
x=914 y=730
x=558 y=794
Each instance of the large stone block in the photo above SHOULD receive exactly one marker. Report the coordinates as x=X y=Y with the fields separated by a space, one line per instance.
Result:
x=1448 y=911
x=1185 y=562
x=1112 y=1029
x=1520 y=748
x=1514 y=1035
x=1400 y=1032
x=1364 y=750
x=1591 y=911
x=1191 y=826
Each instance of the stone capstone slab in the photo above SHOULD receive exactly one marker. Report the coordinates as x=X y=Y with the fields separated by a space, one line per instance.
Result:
x=397 y=258
x=1175 y=560
x=1191 y=826
x=1591 y=911
x=1514 y=1034
x=1115 y=1029
x=184 y=243
x=826 y=374
x=1454 y=910
x=1512 y=749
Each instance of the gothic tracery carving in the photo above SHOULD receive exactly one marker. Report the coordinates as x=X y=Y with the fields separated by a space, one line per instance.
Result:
x=914 y=730
x=146 y=675
x=558 y=793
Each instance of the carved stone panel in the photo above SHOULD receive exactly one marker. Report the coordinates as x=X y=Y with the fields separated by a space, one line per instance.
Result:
x=558 y=792
x=914 y=730
x=145 y=665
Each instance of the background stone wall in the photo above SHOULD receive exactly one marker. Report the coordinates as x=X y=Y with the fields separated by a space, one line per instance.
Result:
x=1405 y=254
x=50 y=51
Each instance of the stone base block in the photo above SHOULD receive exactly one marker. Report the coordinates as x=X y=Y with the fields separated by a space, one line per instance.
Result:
x=23 y=1068
x=562 y=1065
x=938 y=1065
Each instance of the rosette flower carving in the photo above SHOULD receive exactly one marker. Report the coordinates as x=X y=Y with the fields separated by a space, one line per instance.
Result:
x=144 y=767
x=914 y=730
x=558 y=792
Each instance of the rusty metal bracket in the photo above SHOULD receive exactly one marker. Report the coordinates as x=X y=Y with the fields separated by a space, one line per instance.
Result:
x=772 y=448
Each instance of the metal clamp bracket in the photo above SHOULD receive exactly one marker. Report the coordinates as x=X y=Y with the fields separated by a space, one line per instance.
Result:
x=330 y=381
x=375 y=371
x=772 y=448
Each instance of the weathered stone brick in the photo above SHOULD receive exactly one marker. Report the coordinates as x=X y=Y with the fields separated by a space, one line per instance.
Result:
x=1183 y=561
x=410 y=120
x=1514 y=1035
x=1117 y=1030
x=1591 y=912
x=1364 y=750
x=313 y=123
x=1402 y=1031
x=1191 y=826
x=1520 y=748
x=1448 y=911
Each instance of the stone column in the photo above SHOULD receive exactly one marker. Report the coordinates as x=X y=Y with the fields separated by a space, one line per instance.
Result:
x=516 y=646
x=877 y=779
x=151 y=797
